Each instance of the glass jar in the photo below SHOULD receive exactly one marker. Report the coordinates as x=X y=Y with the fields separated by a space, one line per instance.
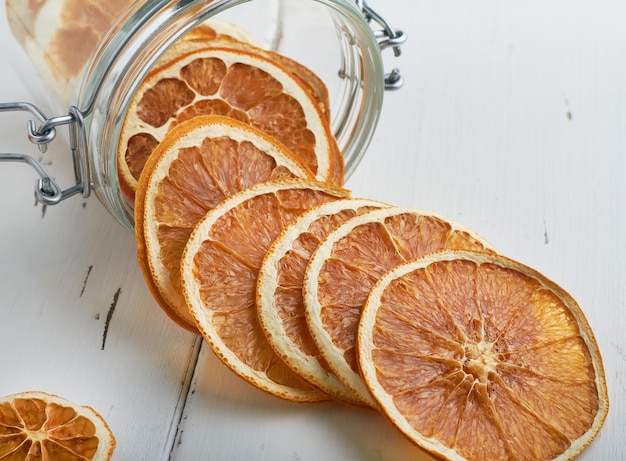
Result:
x=110 y=53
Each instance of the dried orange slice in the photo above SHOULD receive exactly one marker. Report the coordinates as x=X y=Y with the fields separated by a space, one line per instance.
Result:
x=40 y=426
x=219 y=269
x=350 y=260
x=198 y=164
x=474 y=356
x=226 y=35
x=225 y=81
x=279 y=291
x=200 y=37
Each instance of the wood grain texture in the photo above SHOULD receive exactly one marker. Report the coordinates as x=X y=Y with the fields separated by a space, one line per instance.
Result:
x=512 y=122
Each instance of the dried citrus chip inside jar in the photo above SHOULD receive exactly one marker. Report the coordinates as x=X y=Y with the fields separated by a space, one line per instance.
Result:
x=223 y=34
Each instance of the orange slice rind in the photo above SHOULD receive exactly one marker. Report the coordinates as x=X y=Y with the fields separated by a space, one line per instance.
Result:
x=216 y=28
x=474 y=356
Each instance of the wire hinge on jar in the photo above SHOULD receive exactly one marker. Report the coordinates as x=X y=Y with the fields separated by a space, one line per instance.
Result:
x=47 y=190
x=387 y=37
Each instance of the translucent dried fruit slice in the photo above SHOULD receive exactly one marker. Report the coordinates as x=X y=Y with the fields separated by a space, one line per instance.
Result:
x=219 y=269
x=21 y=17
x=225 y=81
x=349 y=261
x=40 y=426
x=474 y=356
x=45 y=28
x=198 y=164
x=279 y=291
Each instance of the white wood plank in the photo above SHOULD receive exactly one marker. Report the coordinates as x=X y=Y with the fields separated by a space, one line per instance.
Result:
x=227 y=418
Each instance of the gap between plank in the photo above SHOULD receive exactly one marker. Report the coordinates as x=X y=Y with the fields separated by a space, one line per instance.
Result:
x=183 y=398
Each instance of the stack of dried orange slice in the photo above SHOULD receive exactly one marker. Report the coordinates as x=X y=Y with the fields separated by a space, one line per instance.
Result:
x=246 y=236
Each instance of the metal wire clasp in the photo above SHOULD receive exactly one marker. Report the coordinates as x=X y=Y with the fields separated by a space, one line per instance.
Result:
x=47 y=190
x=387 y=37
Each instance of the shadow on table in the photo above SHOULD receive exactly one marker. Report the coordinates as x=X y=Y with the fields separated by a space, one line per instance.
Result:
x=226 y=416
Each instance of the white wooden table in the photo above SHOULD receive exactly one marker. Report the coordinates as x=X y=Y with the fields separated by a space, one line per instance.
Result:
x=512 y=121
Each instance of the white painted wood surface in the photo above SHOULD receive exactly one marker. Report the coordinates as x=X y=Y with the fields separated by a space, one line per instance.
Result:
x=512 y=121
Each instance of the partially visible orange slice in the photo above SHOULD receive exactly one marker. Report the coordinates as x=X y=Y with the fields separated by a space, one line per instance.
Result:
x=279 y=291
x=198 y=164
x=476 y=357
x=225 y=81
x=348 y=262
x=219 y=269
x=40 y=426
x=225 y=35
